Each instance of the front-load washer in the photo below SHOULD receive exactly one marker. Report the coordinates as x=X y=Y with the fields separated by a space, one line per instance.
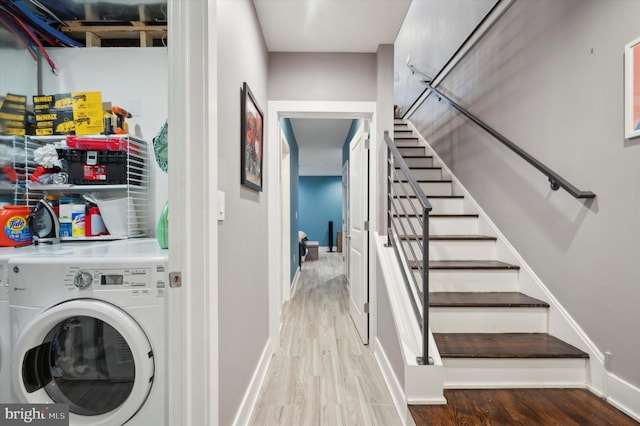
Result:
x=88 y=330
x=6 y=254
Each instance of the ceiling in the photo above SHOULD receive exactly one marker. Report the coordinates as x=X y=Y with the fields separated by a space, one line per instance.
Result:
x=327 y=26
x=330 y=25
x=320 y=143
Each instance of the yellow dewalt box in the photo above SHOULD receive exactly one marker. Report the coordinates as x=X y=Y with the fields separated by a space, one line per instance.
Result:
x=75 y=112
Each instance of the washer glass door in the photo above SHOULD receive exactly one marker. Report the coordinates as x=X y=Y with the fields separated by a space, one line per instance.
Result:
x=86 y=353
x=83 y=362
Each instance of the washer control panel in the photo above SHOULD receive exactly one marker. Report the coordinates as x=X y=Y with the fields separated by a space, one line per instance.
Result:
x=139 y=279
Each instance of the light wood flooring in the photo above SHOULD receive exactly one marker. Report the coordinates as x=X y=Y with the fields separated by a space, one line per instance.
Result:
x=323 y=374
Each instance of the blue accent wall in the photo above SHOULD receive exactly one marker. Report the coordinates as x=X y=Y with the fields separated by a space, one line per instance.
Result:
x=355 y=124
x=320 y=201
x=294 y=203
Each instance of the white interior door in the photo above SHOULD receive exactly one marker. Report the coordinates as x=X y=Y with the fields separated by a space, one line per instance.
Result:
x=358 y=235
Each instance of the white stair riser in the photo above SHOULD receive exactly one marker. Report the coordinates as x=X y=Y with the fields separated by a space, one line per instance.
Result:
x=488 y=320
x=514 y=373
x=407 y=142
x=441 y=225
x=439 y=205
x=429 y=188
x=419 y=162
x=457 y=250
x=422 y=174
x=473 y=280
x=421 y=150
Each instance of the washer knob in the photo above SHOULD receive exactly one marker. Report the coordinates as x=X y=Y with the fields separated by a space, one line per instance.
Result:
x=83 y=279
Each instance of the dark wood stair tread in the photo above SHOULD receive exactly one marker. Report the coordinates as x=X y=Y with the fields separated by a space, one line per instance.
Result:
x=464 y=264
x=417 y=156
x=450 y=237
x=542 y=406
x=504 y=345
x=506 y=299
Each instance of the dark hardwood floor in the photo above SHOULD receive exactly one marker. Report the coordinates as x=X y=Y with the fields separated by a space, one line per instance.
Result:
x=526 y=407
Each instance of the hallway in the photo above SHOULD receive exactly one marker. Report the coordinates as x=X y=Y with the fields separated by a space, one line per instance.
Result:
x=323 y=375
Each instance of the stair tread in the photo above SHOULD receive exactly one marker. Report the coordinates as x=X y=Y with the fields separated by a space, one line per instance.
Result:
x=484 y=300
x=464 y=264
x=504 y=345
x=421 y=168
x=417 y=156
x=450 y=237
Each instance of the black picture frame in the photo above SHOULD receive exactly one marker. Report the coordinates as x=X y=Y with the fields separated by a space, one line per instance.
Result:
x=252 y=140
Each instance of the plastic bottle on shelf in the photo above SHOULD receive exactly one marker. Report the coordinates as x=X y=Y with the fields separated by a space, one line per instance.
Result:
x=94 y=225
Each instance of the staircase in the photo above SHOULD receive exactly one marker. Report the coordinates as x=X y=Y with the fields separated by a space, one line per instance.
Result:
x=488 y=334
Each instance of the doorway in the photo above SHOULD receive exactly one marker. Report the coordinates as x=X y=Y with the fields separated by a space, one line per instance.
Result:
x=303 y=109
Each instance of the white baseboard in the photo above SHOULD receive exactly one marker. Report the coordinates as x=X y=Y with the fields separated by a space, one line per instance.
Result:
x=295 y=283
x=253 y=390
x=624 y=396
x=397 y=393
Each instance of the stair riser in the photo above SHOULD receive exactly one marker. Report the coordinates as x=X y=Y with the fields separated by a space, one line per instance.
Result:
x=443 y=225
x=514 y=373
x=419 y=162
x=457 y=250
x=429 y=188
x=402 y=136
x=423 y=174
x=488 y=320
x=407 y=143
x=439 y=205
x=473 y=280
x=412 y=150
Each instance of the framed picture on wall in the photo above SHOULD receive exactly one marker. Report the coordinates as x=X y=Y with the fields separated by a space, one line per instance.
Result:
x=252 y=142
x=632 y=89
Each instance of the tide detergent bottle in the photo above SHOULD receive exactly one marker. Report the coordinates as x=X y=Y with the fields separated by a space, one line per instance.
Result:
x=15 y=229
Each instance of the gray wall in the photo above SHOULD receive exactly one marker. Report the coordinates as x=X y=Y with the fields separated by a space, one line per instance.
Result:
x=430 y=33
x=549 y=76
x=322 y=76
x=384 y=122
x=243 y=272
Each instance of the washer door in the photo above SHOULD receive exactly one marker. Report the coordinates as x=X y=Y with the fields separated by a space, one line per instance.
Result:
x=88 y=354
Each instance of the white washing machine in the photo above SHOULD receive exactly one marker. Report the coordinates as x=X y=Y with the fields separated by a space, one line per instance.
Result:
x=89 y=330
x=6 y=254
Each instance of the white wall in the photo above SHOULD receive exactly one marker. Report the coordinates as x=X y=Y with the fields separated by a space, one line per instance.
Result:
x=387 y=333
x=322 y=76
x=243 y=269
x=549 y=76
x=18 y=70
x=134 y=78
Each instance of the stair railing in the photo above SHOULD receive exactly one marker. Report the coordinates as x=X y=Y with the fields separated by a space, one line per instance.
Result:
x=402 y=183
x=555 y=179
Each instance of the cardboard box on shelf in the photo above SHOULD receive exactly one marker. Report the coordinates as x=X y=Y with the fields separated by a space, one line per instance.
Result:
x=75 y=112
x=13 y=115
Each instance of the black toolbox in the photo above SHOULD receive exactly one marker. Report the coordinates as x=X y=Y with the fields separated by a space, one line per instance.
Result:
x=106 y=167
